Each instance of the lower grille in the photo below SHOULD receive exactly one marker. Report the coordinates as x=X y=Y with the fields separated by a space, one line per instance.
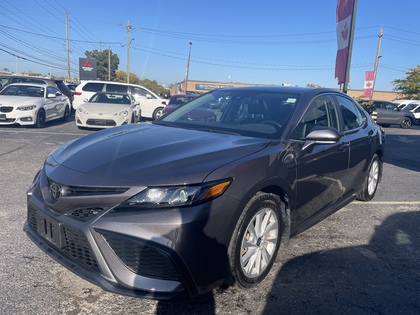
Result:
x=78 y=248
x=75 y=244
x=141 y=258
x=101 y=122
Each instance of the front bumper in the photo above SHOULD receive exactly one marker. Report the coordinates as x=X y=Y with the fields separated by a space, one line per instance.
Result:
x=18 y=117
x=158 y=254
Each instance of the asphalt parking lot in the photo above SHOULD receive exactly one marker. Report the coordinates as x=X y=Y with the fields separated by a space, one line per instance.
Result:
x=364 y=259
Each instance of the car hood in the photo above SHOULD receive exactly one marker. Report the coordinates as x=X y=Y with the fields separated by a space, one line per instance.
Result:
x=148 y=154
x=20 y=100
x=105 y=108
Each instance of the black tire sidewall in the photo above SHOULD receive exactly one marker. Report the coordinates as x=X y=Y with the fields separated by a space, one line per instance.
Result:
x=41 y=112
x=258 y=202
x=364 y=193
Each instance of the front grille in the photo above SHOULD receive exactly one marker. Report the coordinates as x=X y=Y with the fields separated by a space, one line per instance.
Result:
x=141 y=258
x=6 y=109
x=75 y=244
x=101 y=122
x=69 y=190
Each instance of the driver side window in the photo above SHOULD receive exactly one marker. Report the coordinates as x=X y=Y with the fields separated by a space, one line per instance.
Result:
x=321 y=112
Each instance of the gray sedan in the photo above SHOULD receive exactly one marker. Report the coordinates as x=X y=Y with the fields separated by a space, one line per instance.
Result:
x=182 y=205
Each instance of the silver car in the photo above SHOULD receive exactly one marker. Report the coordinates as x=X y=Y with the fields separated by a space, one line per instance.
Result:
x=32 y=104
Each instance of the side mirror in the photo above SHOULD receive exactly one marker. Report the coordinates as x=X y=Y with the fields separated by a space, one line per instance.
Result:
x=51 y=95
x=148 y=96
x=321 y=135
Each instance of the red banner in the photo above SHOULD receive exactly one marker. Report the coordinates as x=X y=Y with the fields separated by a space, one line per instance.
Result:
x=343 y=19
x=368 y=86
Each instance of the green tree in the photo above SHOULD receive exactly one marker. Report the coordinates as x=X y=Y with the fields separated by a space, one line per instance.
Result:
x=102 y=63
x=410 y=86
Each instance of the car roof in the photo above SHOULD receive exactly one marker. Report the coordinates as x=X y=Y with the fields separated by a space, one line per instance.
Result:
x=30 y=84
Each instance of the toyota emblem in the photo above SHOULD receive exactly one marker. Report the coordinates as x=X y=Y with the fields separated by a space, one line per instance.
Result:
x=55 y=190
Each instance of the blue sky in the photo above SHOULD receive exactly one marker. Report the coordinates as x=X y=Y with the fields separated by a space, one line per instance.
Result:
x=261 y=42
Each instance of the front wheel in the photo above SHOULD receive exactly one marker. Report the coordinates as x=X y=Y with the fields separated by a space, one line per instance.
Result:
x=371 y=181
x=256 y=240
x=158 y=113
x=405 y=123
x=40 y=119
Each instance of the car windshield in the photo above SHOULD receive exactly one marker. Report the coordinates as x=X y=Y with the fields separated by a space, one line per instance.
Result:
x=23 y=90
x=182 y=99
x=110 y=98
x=410 y=106
x=247 y=112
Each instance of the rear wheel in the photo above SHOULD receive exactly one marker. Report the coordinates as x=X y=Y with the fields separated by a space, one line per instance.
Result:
x=371 y=181
x=66 y=114
x=406 y=123
x=40 y=119
x=256 y=240
x=158 y=113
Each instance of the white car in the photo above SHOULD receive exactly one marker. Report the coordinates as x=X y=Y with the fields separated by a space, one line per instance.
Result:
x=152 y=105
x=106 y=110
x=414 y=107
x=32 y=104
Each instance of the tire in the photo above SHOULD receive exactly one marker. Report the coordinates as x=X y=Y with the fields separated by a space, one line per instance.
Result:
x=371 y=181
x=158 y=113
x=251 y=251
x=406 y=123
x=40 y=119
x=66 y=114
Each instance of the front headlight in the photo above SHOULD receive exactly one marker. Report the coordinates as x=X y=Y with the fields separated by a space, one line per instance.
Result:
x=122 y=113
x=178 y=196
x=81 y=110
x=26 y=107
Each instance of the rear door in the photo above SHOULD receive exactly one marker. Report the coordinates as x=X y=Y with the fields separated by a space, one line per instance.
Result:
x=359 y=137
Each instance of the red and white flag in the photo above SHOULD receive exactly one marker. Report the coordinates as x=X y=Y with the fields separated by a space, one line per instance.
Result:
x=368 y=86
x=343 y=19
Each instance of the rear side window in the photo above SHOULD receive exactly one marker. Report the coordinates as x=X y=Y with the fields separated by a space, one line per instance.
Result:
x=116 y=88
x=93 y=87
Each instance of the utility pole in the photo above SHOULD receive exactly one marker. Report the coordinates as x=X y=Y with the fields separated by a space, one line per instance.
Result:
x=375 y=69
x=109 y=63
x=67 y=46
x=128 y=27
x=187 y=70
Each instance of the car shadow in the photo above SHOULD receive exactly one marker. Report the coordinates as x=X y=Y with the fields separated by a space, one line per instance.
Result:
x=382 y=277
x=403 y=151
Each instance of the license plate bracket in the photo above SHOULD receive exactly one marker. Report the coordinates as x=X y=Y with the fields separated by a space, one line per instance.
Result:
x=51 y=230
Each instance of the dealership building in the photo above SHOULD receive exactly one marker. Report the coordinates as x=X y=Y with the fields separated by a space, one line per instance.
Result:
x=199 y=87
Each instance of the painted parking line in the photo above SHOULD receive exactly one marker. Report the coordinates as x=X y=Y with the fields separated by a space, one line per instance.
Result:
x=387 y=202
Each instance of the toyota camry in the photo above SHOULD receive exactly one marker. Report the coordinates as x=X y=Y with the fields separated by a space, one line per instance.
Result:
x=180 y=206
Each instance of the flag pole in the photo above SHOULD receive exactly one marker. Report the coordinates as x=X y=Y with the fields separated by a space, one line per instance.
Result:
x=350 y=50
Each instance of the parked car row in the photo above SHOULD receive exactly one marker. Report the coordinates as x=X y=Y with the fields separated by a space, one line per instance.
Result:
x=116 y=104
x=387 y=113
